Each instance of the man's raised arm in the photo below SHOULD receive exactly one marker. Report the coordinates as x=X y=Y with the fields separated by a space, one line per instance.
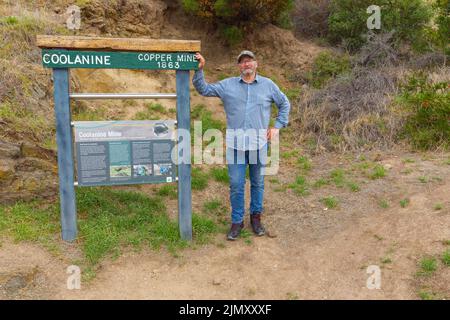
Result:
x=202 y=87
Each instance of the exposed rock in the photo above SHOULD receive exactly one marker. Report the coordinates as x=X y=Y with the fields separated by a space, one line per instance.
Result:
x=125 y=17
x=27 y=172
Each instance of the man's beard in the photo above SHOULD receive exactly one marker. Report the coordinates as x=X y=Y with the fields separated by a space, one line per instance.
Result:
x=248 y=72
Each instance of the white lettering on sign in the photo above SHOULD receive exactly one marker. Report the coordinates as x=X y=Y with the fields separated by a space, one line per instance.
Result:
x=56 y=58
x=186 y=58
x=92 y=134
x=156 y=57
x=114 y=134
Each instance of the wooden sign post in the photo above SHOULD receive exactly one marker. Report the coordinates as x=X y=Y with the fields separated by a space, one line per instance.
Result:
x=61 y=53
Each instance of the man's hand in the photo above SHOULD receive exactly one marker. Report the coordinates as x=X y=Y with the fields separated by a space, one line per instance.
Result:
x=201 y=60
x=272 y=133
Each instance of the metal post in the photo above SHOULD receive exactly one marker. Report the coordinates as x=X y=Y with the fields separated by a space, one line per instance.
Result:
x=65 y=157
x=184 y=169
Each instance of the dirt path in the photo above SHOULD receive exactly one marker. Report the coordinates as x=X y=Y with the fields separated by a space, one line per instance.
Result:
x=313 y=254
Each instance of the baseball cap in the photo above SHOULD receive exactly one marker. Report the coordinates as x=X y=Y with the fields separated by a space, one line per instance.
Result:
x=246 y=53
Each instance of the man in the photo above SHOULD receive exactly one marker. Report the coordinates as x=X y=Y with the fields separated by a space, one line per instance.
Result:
x=247 y=101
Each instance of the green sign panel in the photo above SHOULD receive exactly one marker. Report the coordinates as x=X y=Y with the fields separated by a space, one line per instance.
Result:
x=118 y=60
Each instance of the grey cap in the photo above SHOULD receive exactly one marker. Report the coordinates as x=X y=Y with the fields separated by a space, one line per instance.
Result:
x=246 y=53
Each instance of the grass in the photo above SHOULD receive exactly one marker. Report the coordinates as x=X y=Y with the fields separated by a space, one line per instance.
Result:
x=320 y=183
x=427 y=295
x=150 y=112
x=423 y=179
x=427 y=266
x=446 y=258
x=354 y=186
x=338 y=177
x=199 y=179
x=438 y=206
x=220 y=174
x=404 y=203
x=168 y=190
x=378 y=172
x=383 y=204
x=109 y=221
x=386 y=260
x=215 y=208
x=201 y=113
x=300 y=186
x=31 y=222
x=304 y=163
x=330 y=202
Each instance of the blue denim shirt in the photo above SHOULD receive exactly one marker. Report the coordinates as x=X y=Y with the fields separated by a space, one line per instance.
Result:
x=247 y=107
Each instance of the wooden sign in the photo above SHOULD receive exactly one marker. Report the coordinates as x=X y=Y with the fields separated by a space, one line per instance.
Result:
x=118 y=60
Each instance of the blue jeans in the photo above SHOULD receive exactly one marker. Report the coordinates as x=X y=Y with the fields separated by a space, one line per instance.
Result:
x=237 y=165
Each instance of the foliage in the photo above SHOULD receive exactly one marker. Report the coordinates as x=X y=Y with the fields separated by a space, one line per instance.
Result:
x=348 y=20
x=428 y=105
x=326 y=66
x=235 y=17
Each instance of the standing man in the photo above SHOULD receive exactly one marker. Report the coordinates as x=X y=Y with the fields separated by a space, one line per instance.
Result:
x=247 y=100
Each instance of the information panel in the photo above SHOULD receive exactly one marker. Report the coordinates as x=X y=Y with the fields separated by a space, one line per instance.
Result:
x=124 y=152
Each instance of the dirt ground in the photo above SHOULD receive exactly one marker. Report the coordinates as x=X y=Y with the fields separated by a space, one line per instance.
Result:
x=311 y=253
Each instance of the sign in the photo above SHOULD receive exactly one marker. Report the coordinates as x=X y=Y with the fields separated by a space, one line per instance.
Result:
x=124 y=152
x=52 y=58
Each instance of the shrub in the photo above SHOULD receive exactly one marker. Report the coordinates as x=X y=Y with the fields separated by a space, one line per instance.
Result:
x=348 y=20
x=310 y=18
x=234 y=17
x=327 y=65
x=428 y=107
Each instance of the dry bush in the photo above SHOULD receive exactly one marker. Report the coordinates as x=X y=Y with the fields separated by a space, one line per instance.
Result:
x=353 y=111
x=310 y=18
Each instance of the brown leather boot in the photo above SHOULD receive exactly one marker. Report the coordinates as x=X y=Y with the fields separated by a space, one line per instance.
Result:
x=235 y=231
x=255 y=221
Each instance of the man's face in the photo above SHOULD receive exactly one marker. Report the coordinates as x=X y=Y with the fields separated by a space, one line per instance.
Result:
x=247 y=65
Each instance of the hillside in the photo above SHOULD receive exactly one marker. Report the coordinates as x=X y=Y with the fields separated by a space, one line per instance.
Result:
x=348 y=194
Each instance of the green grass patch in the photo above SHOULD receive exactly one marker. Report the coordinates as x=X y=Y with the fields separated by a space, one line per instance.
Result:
x=427 y=295
x=109 y=220
x=337 y=176
x=220 y=174
x=353 y=186
x=446 y=258
x=151 y=112
x=31 y=222
x=330 y=202
x=427 y=266
x=201 y=113
x=320 y=183
x=304 y=163
x=168 y=190
x=404 y=203
x=199 y=179
x=300 y=186
x=378 y=172
x=383 y=204
x=438 y=206
x=423 y=179
x=386 y=260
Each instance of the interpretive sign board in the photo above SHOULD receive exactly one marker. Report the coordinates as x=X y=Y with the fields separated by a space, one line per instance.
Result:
x=124 y=152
